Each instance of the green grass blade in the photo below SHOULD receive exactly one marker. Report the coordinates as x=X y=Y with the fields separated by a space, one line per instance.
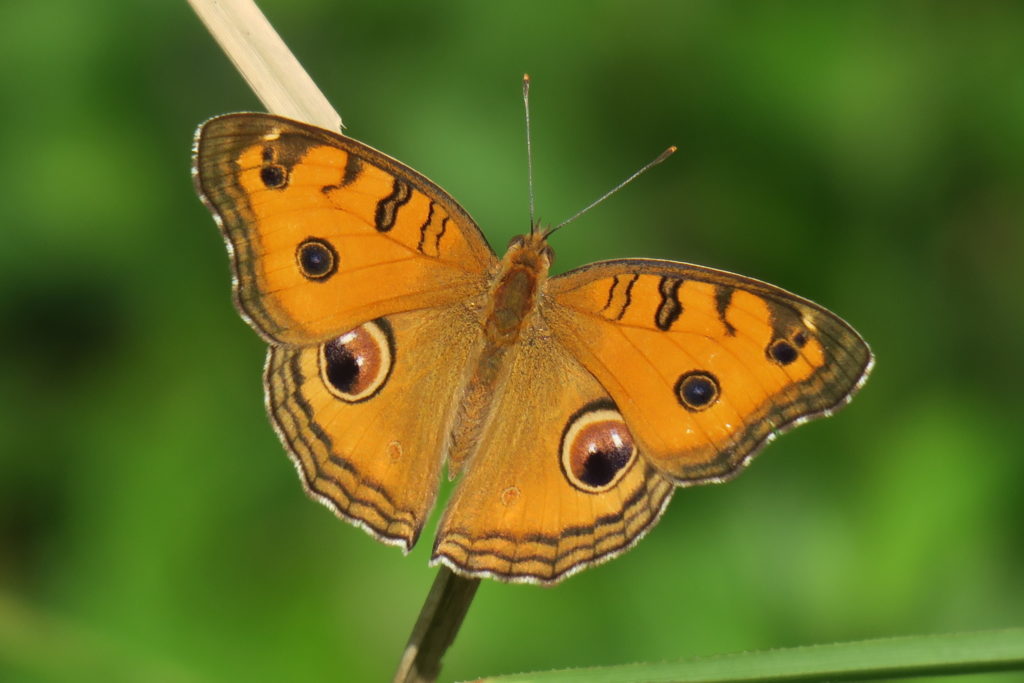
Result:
x=900 y=657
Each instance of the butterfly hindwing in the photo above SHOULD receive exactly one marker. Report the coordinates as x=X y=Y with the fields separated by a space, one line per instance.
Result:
x=554 y=484
x=342 y=410
x=706 y=366
x=326 y=233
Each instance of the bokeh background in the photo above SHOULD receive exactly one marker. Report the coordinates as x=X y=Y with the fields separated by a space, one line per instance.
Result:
x=869 y=156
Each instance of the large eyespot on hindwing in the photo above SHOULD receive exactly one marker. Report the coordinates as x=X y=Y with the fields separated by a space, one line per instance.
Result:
x=597 y=447
x=317 y=259
x=697 y=390
x=356 y=365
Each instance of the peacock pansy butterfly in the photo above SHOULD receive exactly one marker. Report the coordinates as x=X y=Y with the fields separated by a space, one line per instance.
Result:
x=571 y=406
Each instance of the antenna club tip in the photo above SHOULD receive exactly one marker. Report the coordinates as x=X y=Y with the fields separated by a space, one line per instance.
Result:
x=526 y=78
x=665 y=155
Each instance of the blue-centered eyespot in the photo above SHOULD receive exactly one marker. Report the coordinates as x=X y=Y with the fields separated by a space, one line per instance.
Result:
x=317 y=258
x=697 y=390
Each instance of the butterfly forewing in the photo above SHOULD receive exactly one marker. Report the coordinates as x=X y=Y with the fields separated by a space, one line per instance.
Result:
x=326 y=233
x=707 y=366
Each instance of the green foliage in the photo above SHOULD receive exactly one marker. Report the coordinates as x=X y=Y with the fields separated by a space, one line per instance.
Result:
x=885 y=658
x=866 y=155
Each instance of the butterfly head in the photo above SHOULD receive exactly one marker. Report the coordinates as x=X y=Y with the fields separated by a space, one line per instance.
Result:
x=531 y=250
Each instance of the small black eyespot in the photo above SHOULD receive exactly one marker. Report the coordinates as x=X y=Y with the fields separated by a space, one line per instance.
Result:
x=782 y=352
x=317 y=258
x=800 y=339
x=274 y=177
x=697 y=390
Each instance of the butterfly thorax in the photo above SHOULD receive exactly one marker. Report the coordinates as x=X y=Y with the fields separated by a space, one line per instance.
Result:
x=515 y=289
x=512 y=305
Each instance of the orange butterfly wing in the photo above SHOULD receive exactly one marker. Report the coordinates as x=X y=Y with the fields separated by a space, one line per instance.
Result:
x=361 y=274
x=662 y=375
x=527 y=507
x=369 y=439
x=706 y=366
x=326 y=233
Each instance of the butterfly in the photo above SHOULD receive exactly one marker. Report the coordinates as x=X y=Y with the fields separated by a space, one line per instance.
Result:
x=570 y=408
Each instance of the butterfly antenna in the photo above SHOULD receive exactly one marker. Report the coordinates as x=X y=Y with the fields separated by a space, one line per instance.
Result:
x=529 y=148
x=648 y=166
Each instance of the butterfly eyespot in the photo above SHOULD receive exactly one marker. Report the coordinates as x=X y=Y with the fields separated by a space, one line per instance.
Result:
x=597 y=448
x=697 y=390
x=274 y=177
x=356 y=365
x=782 y=352
x=317 y=259
x=800 y=339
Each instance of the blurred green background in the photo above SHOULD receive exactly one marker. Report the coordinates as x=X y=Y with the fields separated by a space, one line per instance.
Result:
x=869 y=156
